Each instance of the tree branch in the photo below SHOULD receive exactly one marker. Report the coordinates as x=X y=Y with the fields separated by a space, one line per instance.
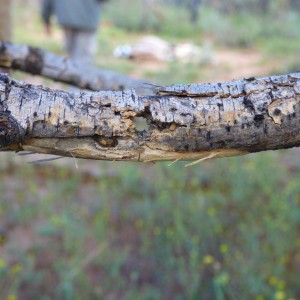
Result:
x=181 y=122
x=39 y=62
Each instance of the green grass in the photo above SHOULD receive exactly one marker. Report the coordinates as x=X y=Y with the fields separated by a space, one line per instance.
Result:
x=216 y=231
x=223 y=229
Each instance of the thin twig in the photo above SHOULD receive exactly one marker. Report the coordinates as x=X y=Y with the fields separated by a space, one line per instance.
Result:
x=202 y=159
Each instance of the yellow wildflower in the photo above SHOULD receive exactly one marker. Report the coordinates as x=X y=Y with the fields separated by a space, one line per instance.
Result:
x=56 y=221
x=211 y=211
x=208 y=259
x=2 y=239
x=281 y=284
x=223 y=248
x=139 y=223
x=170 y=232
x=279 y=295
x=16 y=268
x=273 y=280
x=2 y=263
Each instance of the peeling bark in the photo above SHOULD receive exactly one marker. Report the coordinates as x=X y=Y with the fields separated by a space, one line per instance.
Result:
x=39 y=62
x=180 y=122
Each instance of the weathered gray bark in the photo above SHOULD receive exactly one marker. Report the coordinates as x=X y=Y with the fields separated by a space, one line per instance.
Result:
x=182 y=122
x=50 y=65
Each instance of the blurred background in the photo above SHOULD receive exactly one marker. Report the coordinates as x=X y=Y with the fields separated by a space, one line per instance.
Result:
x=223 y=229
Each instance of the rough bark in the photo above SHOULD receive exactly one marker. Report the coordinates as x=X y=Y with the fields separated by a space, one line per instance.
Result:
x=39 y=62
x=181 y=122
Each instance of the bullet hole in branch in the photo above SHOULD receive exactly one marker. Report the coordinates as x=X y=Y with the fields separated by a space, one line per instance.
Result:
x=140 y=123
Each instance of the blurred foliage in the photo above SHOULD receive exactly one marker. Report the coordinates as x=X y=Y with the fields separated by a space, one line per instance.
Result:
x=233 y=22
x=224 y=229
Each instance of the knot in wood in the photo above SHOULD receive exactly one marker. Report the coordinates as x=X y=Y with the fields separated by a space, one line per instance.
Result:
x=106 y=142
x=9 y=130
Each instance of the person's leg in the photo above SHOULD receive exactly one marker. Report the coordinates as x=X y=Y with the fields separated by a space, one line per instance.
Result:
x=85 y=46
x=5 y=20
x=69 y=40
x=5 y=26
x=70 y=48
x=81 y=47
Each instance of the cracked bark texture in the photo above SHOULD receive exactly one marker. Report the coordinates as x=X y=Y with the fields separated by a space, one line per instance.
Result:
x=39 y=62
x=180 y=122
